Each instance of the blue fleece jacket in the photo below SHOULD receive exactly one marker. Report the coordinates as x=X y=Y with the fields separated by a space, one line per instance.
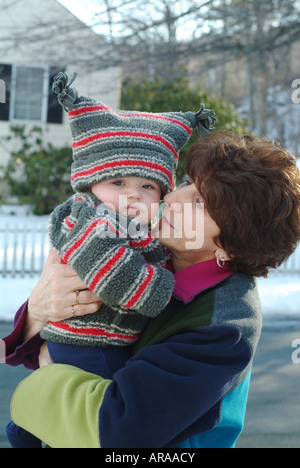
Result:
x=185 y=385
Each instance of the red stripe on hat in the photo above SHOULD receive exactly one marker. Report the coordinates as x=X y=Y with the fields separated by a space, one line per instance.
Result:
x=107 y=267
x=92 y=331
x=150 y=273
x=124 y=134
x=80 y=241
x=85 y=110
x=113 y=164
x=160 y=117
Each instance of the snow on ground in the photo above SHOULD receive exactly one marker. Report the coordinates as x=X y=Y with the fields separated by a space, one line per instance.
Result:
x=280 y=297
x=279 y=294
x=13 y=293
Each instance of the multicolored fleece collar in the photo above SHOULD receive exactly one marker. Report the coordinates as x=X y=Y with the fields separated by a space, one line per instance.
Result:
x=197 y=278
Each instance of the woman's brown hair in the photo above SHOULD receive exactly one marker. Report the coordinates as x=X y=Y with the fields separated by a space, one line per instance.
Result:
x=251 y=187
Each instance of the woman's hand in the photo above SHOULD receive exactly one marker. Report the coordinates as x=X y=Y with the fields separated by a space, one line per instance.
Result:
x=55 y=297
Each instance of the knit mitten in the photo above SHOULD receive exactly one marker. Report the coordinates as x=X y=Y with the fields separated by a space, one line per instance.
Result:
x=92 y=239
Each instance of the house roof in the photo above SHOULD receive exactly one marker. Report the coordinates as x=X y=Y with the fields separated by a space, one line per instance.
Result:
x=35 y=30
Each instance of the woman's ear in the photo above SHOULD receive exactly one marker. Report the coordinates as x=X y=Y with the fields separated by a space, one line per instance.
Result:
x=222 y=255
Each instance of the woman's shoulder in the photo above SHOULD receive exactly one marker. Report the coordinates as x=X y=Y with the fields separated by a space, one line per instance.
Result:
x=237 y=304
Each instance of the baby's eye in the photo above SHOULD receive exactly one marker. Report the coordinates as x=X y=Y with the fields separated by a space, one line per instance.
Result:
x=118 y=183
x=148 y=187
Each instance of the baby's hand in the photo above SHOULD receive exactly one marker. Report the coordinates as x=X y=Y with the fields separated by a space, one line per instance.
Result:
x=44 y=356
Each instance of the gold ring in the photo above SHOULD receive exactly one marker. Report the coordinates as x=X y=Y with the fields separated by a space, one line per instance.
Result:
x=77 y=297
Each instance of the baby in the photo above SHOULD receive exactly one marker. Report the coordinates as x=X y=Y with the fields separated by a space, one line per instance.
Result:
x=124 y=164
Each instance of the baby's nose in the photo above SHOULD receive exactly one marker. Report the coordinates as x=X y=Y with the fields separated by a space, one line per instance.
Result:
x=133 y=192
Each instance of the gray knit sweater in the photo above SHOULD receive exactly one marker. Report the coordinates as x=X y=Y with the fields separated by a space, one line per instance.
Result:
x=127 y=273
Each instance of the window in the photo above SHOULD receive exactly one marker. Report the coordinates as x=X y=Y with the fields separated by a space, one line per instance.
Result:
x=29 y=88
x=28 y=94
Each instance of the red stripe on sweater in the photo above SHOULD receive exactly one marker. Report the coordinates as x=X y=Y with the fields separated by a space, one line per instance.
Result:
x=79 y=242
x=131 y=303
x=92 y=331
x=69 y=223
x=124 y=134
x=141 y=244
x=109 y=225
x=133 y=163
x=107 y=267
x=85 y=110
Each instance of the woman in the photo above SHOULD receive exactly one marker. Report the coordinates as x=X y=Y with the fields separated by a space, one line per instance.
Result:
x=187 y=382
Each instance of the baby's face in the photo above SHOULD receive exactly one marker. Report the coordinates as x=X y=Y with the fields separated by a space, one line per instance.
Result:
x=130 y=196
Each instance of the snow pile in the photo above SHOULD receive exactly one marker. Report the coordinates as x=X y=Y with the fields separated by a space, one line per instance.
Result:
x=280 y=297
x=279 y=294
x=13 y=293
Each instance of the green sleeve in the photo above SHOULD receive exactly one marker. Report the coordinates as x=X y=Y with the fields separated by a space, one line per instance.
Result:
x=60 y=405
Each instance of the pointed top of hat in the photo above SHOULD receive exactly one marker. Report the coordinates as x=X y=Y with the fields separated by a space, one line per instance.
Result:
x=202 y=120
x=110 y=143
x=66 y=95
x=69 y=99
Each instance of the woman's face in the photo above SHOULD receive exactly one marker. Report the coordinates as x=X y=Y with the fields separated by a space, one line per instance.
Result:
x=186 y=225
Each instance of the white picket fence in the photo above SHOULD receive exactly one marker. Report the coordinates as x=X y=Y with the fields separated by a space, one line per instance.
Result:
x=24 y=249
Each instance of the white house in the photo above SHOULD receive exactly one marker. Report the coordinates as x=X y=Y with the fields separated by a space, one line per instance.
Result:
x=38 y=38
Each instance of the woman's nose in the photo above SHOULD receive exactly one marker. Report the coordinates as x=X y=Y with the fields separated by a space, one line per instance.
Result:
x=172 y=200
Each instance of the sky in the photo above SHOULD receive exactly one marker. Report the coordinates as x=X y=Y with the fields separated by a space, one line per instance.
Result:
x=83 y=9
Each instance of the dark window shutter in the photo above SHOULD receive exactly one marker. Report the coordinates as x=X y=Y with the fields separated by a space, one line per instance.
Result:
x=55 y=111
x=5 y=75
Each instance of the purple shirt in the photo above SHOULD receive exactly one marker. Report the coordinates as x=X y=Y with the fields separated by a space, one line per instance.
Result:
x=188 y=283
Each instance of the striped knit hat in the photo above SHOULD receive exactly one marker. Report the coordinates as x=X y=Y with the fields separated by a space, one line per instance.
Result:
x=111 y=144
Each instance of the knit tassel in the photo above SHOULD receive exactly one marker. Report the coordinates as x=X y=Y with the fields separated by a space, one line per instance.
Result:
x=202 y=120
x=66 y=95
x=206 y=118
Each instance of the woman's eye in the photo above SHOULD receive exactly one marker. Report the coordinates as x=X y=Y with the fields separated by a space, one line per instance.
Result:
x=185 y=183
